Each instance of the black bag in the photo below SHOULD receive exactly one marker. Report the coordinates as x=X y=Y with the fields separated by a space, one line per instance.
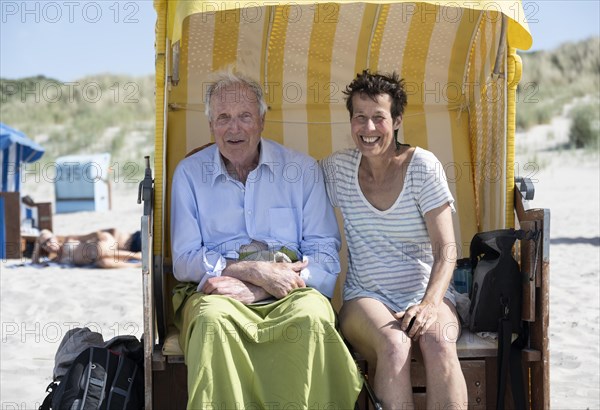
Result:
x=99 y=379
x=92 y=374
x=497 y=282
x=496 y=304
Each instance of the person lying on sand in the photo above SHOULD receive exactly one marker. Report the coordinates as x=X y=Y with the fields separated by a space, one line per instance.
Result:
x=109 y=248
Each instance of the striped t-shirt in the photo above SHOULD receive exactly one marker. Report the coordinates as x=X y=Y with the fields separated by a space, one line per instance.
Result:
x=390 y=254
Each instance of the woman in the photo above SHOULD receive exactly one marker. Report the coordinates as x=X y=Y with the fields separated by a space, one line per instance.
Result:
x=108 y=248
x=397 y=219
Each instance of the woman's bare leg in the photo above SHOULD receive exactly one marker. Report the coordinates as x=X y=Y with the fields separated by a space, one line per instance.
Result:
x=107 y=263
x=122 y=238
x=446 y=386
x=112 y=255
x=373 y=332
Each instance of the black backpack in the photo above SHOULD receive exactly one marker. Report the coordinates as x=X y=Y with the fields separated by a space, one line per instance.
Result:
x=107 y=377
x=497 y=282
x=496 y=299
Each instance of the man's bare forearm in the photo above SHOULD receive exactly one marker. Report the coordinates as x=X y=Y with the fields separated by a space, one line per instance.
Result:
x=247 y=271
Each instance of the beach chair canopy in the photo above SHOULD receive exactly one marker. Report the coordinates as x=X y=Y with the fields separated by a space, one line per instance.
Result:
x=458 y=60
x=15 y=148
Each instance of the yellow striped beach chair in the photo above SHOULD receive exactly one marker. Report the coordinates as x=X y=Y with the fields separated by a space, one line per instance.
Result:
x=461 y=68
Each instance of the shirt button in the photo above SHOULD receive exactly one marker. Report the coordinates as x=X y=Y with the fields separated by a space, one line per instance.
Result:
x=249 y=212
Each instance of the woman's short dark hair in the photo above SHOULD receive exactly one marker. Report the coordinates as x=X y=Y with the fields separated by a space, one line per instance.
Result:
x=375 y=84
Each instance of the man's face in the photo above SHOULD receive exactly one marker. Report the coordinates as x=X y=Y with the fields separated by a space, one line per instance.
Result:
x=236 y=124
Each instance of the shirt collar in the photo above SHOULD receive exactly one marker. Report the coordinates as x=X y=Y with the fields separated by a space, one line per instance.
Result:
x=267 y=155
x=266 y=158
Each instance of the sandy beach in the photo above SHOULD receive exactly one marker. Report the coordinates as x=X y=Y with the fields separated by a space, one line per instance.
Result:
x=567 y=182
x=38 y=305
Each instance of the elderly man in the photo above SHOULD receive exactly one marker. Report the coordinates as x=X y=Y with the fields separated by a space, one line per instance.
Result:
x=256 y=241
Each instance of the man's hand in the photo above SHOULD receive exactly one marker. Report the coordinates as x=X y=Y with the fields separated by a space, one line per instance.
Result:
x=234 y=288
x=280 y=278
x=277 y=278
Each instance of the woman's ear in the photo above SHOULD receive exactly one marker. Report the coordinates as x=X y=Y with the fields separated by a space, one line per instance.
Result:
x=397 y=122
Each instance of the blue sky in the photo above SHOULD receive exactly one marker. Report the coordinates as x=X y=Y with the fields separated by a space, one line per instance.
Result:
x=67 y=40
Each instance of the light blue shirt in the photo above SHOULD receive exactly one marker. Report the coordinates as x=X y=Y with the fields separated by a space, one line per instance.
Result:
x=283 y=203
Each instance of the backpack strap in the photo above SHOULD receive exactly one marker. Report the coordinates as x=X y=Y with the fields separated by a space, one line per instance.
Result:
x=503 y=359
x=47 y=403
x=123 y=383
x=96 y=377
x=516 y=370
x=509 y=359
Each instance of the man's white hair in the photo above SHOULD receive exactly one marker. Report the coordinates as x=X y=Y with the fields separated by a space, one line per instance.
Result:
x=221 y=80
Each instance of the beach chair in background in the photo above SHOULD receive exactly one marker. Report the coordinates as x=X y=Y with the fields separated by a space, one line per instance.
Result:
x=20 y=221
x=82 y=183
x=461 y=70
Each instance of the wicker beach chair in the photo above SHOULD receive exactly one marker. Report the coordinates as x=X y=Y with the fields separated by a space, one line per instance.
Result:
x=460 y=65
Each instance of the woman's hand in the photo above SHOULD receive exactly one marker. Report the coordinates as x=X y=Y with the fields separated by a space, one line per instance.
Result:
x=422 y=317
